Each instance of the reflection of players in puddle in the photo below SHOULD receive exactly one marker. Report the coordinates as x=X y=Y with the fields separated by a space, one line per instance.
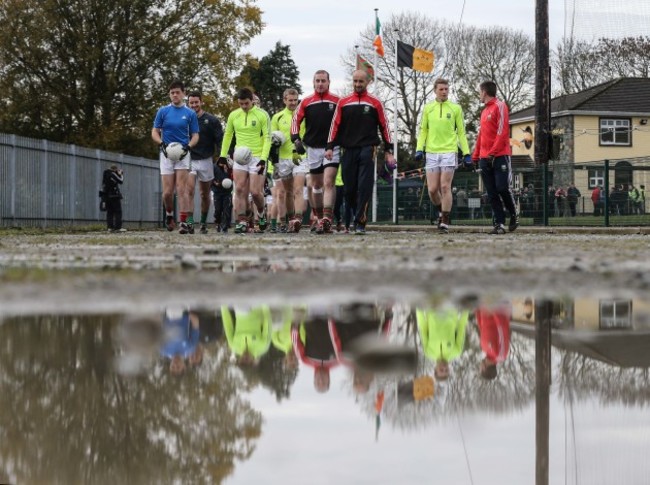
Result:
x=316 y=344
x=181 y=340
x=347 y=335
x=442 y=334
x=494 y=328
x=248 y=332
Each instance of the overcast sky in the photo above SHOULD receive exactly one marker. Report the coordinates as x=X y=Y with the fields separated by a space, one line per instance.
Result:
x=319 y=34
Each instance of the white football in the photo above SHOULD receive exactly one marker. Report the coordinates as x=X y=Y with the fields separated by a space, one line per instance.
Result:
x=174 y=151
x=226 y=183
x=242 y=156
x=278 y=138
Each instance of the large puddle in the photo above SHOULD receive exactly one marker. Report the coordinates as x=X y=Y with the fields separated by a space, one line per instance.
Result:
x=367 y=392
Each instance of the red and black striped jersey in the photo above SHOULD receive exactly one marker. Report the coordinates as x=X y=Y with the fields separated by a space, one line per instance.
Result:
x=317 y=110
x=356 y=121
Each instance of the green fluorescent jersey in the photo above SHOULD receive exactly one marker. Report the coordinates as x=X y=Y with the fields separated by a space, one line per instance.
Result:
x=442 y=129
x=247 y=330
x=442 y=332
x=282 y=122
x=251 y=129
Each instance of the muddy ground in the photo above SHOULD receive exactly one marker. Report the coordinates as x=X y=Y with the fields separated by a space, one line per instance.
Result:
x=147 y=270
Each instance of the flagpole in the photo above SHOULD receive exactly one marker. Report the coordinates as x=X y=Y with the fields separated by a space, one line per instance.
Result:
x=376 y=80
x=395 y=221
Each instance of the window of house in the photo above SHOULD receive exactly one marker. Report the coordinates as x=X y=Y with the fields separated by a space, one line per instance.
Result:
x=615 y=132
x=615 y=314
x=596 y=178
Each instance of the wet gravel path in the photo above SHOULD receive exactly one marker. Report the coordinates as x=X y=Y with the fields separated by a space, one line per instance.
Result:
x=148 y=269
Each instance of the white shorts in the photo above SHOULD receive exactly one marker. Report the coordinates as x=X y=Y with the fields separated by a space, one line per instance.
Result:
x=441 y=162
x=316 y=158
x=167 y=167
x=251 y=168
x=283 y=169
x=302 y=169
x=203 y=169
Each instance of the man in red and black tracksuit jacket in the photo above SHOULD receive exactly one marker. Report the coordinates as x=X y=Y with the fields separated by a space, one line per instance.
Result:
x=319 y=348
x=317 y=110
x=492 y=152
x=354 y=128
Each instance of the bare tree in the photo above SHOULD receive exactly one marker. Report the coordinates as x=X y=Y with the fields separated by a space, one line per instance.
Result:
x=580 y=65
x=414 y=88
x=500 y=54
x=464 y=55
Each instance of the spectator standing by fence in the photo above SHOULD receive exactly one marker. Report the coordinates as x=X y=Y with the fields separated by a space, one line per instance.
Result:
x=595 y=199
x=573 y=195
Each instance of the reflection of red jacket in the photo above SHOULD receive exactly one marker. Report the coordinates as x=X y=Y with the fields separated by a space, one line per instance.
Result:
x=321 y=346
x=494 y=327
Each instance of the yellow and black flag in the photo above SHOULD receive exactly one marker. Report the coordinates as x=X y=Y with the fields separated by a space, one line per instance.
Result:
x=418 y=59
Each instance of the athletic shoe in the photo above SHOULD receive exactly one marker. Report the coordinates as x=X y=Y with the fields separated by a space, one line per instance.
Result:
x=121 y=229
x=320 y=229
x=339 y=226
x=499 y=229
x=218 y=228
x=443 y=228
x=514 y=223
x=241 y=227
x=204 y=229
x=360 y=230
x=326 y=222
x=169 y=223
x=261 y=222
x=313 y=225
x=294 y=225
x=439 y=221
x=190 y=228
x=347 y=229
x=283 y=229
x=184 y=228
x=274 y=229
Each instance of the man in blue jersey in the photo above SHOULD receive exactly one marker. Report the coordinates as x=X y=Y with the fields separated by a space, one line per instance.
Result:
x=175 y=123
x=202 y=158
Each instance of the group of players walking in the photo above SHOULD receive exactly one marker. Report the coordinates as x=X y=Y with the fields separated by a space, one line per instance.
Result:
x=307 y=142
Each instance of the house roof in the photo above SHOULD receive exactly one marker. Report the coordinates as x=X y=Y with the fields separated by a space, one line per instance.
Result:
x=621 y=95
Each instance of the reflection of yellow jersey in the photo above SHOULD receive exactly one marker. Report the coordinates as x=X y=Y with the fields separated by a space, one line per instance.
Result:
x=251 y=129
x=247 y=330
x=442 y=332
x=281 y=334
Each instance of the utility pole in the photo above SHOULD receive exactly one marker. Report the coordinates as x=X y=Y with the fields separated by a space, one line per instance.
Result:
x=542 y=97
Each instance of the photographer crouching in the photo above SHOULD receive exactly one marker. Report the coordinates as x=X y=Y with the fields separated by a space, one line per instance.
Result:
x=112 y=198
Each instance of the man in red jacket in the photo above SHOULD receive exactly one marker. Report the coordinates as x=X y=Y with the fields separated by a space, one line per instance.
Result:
x=492 y=152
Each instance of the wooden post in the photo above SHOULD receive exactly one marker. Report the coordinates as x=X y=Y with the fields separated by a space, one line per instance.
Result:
x=543 y=314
